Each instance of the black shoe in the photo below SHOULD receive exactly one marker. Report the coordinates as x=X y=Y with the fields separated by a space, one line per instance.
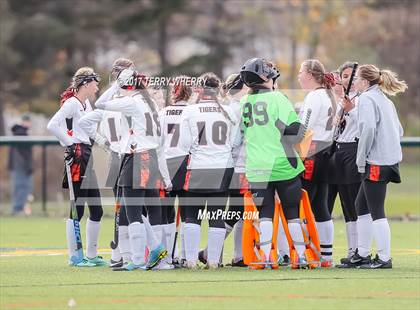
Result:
x=358 y=260
x=116 y=264
x=377 y=263
x=239 y=263
x=285 y=261
x=179 y=263
x=355 y=261
x=201 y=257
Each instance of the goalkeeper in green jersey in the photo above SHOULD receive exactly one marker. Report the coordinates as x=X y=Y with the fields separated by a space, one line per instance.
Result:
x=271 y=128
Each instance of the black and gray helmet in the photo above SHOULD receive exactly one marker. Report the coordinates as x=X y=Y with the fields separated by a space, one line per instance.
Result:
x=258 y=71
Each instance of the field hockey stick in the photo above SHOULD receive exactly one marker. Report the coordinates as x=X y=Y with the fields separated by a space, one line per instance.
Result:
x=114 y=243
x=73 y=215
x=346 y=94
x=178 y=221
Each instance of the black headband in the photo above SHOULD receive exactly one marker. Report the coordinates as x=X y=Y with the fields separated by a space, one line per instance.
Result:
x=89 y=78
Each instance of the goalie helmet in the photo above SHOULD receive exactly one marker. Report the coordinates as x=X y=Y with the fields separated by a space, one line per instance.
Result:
x=258 y=71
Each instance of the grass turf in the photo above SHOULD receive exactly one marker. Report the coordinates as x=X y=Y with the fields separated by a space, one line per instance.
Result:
x=47 y=282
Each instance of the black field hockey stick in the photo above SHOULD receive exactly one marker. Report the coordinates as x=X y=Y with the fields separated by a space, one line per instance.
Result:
x=177 y=221
x=114 y=243
x=346 y=96
x=73 y=215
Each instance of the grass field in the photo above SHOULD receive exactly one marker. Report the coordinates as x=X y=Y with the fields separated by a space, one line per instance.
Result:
x=29 y=278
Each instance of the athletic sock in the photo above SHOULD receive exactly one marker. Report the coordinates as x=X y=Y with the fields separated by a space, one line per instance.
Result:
x=92 y=234
x=237 y=241
x=282 y=242
x=192 y=241
x=182 y=239
x=364 y=234
x=297 y=237
x=158 y=231
x=137 y=233
x=151 y=238
x=124 y=243
x=351 y=231
x=266 y=228
x=115 y=255
x=216 y=238
x=326 y=238
x=71 y=238
x=382 y=235
x=170 y=239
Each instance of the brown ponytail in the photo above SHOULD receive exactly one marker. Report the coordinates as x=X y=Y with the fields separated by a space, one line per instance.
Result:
x=386 y=79
x=180 y=90
x=325 y=79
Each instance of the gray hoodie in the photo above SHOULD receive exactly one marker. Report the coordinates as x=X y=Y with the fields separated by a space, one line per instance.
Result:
x=380 y=130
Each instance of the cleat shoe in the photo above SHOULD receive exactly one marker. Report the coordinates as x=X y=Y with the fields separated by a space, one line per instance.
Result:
x=163 y=265
x=98 y=261
x=346 y=260
x=116 y=263
x=357 y=260
x=85 y=263
x=326 y=263
x=201 y=257
x=377 y=263
x=284 y=260
x=128 y=267
x=179 y=262
x=239 y=263
x=300 y=264
x=155 y=256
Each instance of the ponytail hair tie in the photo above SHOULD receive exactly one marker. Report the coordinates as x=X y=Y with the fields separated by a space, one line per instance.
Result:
x=380 y=72
x=329 y=80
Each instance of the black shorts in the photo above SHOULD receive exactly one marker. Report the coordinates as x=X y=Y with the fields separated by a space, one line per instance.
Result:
x=386 y=174
x=342 y=167
x=177 y=168
x=140 y=171
x=82 y=167
x=114 y=170
x=208 y=180
x=317 y=163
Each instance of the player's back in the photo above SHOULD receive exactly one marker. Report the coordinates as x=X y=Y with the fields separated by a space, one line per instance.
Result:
x=211 y=132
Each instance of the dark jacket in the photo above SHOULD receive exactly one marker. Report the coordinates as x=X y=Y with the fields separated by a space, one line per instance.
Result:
x=20 y=157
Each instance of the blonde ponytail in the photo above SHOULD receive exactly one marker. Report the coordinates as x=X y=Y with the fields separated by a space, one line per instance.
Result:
x=390 y=84
x=387 y=80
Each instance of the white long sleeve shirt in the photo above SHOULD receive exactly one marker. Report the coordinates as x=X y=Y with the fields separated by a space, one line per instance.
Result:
x=140 y=128
x=209 y=135
x=321 y=118
x=72 y=110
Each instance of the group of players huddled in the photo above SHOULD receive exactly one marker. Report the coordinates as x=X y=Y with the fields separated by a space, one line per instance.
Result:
x=212 y=141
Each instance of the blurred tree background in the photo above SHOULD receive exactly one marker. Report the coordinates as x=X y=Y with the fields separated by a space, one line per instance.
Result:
x=43 y=42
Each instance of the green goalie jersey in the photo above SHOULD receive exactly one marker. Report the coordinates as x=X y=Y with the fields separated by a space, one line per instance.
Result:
x=268 y=156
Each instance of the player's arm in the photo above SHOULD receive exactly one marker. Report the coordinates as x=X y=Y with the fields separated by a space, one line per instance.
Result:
x=67 y=110
x=89 y=122
x=163 y=167
x=186 y=138
x=125 y=105
x=293 y=130
x=367 y=126
x=108 y=94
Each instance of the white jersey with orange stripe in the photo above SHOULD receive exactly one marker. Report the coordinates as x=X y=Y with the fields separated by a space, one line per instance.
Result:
x=65 y=122
x=209 y=135
x=170 y=121
x=140 y=128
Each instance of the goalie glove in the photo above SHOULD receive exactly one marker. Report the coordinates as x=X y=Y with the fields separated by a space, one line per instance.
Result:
x=102 y=142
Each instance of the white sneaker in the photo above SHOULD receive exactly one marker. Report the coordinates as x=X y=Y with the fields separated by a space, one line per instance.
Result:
x=163 y=265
